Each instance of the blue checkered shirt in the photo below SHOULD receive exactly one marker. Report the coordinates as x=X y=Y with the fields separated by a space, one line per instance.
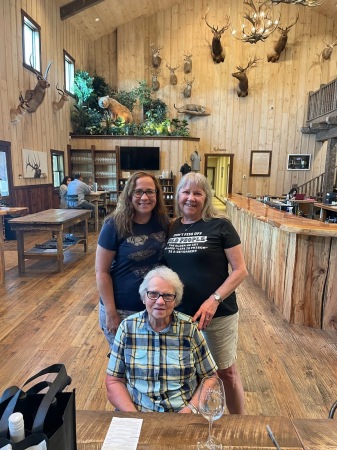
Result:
x=162 y=370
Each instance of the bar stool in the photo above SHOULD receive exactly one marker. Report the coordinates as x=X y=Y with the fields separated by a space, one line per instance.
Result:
x=72 y=201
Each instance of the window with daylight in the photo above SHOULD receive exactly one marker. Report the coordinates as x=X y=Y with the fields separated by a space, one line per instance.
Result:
x=31 y=43
x=57 y=163
x=69 y=73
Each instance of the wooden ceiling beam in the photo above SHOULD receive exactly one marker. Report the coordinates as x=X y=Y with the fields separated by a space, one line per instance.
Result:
x=75 y=7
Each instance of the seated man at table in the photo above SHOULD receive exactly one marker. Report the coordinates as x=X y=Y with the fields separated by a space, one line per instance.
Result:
x=159 y=356
x=77 y=187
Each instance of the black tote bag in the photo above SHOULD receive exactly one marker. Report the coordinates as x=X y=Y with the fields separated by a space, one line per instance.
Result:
x=50 y=414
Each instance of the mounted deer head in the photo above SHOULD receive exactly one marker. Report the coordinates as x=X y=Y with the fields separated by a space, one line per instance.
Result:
x=242 y=77
x=156 y=59
x=173 y=76
x=35 y=97
x=218 y=53
x=155 y=83
x=188 y=64
x=188 y=89
x=17 y=113
x=64 y=98
x=327 y=51
x=281 y=43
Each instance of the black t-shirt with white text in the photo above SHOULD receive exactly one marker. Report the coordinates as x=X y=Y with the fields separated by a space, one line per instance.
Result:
x=196 y=253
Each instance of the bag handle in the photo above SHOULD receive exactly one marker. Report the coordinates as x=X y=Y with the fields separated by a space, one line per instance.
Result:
x=60 y=382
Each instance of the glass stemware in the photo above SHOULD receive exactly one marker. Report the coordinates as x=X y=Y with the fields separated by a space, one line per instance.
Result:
x=211 y=405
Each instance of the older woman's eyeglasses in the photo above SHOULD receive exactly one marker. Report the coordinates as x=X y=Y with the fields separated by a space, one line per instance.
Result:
x=153 y=295
x=138 y=193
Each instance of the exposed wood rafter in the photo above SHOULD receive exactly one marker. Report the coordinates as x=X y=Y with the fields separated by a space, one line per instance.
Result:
x=75 y=7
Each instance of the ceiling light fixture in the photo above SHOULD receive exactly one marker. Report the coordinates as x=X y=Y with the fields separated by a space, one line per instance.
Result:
x=309 y=3
x=262 y=24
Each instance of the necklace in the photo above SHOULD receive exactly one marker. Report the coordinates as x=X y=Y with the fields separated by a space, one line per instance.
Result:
x=190 y=225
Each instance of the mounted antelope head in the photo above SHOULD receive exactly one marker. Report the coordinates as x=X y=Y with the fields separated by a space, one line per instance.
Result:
x=35 y=96
x=327 y=51
x=155 y=83
x=188 y=89
x=64 y=98
x=188 y=64
x=17 y=113
x=173 y=76
x=242 y=77
x=281 y=43
x=218 y=53
x=156 y=59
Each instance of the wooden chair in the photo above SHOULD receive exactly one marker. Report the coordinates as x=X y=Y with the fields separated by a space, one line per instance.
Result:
x=332 y=410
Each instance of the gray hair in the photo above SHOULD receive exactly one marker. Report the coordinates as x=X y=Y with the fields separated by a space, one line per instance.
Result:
x=166 y=274
x=195 y=179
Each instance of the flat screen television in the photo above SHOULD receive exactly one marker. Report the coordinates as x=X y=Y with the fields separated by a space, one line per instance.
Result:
x=139 y=158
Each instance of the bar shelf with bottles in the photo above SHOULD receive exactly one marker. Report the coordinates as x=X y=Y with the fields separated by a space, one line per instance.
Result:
x=106 y=174
x=167 y=187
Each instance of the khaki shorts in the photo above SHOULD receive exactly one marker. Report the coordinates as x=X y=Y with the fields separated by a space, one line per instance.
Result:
x=222 y=339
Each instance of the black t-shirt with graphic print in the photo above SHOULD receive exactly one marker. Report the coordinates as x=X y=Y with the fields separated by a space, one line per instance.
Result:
x=196 y=253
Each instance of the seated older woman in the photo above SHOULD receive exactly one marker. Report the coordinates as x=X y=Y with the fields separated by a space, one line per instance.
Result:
x=159 y=356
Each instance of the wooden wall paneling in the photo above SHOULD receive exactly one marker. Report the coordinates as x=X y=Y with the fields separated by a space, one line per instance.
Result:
x=329 y=321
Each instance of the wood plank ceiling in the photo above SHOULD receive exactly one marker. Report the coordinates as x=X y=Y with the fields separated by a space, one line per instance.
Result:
x=113 y=13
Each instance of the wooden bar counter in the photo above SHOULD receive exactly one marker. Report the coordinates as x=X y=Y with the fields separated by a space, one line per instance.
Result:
x=292 y=258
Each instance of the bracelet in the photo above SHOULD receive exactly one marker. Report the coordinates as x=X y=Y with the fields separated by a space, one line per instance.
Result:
x=192 y=408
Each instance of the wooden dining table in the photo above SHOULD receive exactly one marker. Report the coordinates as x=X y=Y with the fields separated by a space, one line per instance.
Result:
x=171 y=431
x=4 y=211
x=58 y=222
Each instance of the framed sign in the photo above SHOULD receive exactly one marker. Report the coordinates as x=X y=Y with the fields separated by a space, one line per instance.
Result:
x=298 y=162
x=260 y=163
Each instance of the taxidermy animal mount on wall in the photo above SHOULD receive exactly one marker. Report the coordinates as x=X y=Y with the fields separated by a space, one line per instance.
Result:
x=115 y=109
x=188 y=63
x=218 y=53
x=155 y=83
x=173 y=76
x=17 y=113
x=327 y=51
x=280 y=45
x=192 y=109
x=242 y=77
x=188 y=89
x=64 y=98
x=35 y=96
x=156 y=59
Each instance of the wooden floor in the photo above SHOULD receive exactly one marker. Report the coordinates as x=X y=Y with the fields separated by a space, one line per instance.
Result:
x=48 y=317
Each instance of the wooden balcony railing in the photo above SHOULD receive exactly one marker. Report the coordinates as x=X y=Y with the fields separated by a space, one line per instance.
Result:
x=323 y=101
x=315 y=186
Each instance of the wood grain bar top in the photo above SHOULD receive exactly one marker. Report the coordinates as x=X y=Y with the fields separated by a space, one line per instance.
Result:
x=167 y=431
x=282 y=220
x=51 y=216
x=13 y=210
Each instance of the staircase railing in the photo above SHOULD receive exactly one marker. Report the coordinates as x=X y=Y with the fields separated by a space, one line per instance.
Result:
x=314 y=187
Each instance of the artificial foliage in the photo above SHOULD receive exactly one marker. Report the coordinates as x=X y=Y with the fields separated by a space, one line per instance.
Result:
x=88 y=118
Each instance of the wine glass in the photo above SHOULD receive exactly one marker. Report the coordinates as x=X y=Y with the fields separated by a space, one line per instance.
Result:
x=211 y=405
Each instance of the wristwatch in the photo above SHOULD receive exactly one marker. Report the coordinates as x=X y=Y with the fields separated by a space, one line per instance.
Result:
x=217 y=297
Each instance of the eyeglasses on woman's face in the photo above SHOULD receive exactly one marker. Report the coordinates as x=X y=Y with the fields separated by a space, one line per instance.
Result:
x=150 y=193
x=153 y=295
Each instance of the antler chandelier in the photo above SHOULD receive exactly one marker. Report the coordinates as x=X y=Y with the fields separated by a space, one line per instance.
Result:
x=261 y=22
x=300 y=2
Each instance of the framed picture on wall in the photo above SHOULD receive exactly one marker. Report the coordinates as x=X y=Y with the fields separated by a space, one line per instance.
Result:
x=298 y=162
x=34 y=164
x=260 y=163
